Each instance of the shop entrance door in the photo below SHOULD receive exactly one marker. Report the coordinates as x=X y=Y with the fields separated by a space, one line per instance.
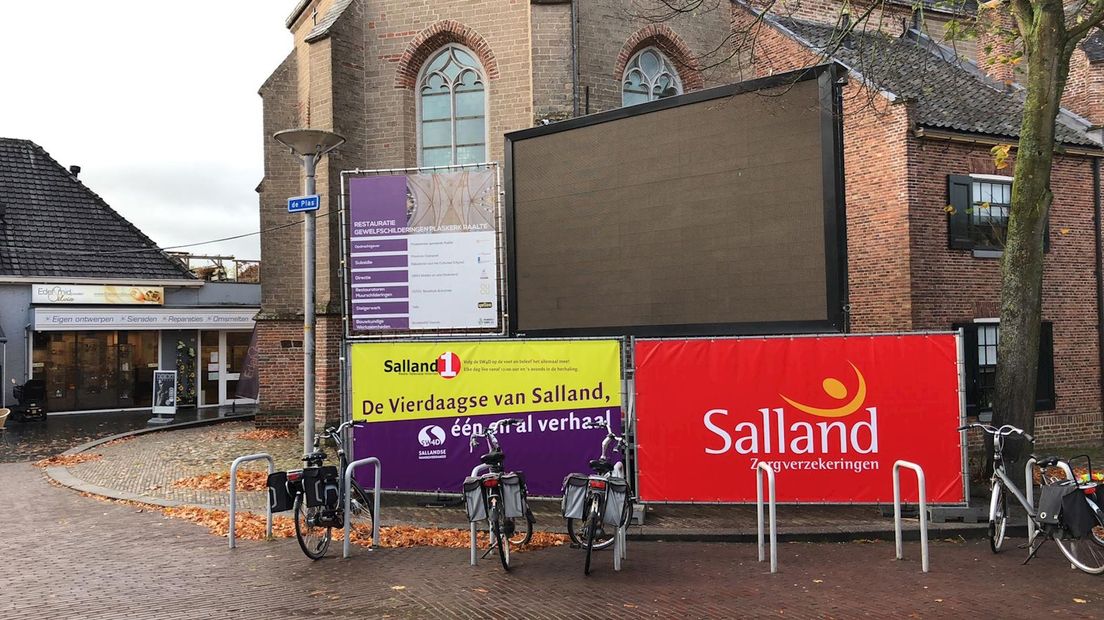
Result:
x=222 y=355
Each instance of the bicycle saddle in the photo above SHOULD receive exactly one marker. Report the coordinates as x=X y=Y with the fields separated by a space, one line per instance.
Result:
x=494 y=459
x=601 y=466
x=1048 y=461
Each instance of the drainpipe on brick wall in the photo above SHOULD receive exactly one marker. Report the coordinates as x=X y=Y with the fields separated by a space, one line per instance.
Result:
x=574 y=58
x=1099 y=279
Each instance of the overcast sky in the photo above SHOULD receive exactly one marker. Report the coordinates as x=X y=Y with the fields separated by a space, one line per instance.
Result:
x=156 y=101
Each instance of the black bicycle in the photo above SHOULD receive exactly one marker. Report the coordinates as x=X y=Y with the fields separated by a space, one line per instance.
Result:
x=319 y=492
x=499 y=497
x=591 y=503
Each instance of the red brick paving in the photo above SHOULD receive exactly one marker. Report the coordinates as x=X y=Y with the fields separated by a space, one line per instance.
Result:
x=67 y=556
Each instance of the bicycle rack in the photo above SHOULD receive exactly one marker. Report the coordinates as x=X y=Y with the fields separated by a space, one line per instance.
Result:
x=234 y=492
x=759 y=469
x=375 y=501
x=1029 y=487
x=474 y=545
x=923 y=510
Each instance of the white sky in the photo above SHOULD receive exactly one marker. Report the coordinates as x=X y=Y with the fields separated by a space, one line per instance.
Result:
x=156 y=101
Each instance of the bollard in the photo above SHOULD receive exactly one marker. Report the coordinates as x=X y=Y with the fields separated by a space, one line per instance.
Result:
x=759 y=469
x=375 y=502
x=923 y=510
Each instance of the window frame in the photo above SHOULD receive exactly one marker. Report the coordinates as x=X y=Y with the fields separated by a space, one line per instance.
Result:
x=1046 y=397
x=418 y=84
x=666 y=66
x=961 y=230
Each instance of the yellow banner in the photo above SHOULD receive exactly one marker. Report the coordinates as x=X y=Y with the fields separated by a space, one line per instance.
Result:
x=412 y=381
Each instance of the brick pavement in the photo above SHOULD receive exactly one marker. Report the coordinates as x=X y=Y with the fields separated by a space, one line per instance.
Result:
x=70 y=556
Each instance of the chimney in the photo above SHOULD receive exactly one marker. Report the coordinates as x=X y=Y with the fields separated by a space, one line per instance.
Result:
x=75 y=171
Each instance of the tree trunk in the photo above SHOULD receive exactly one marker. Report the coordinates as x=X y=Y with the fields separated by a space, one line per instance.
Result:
x=1022 y=261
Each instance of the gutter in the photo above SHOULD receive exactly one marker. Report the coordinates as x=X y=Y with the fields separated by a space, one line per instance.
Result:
x=574 y=58
x=951 y=136
x=105 y=281
x=1099 y=279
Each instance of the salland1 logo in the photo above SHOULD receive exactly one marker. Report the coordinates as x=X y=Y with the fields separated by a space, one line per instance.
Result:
x=847 y=428
x=432 y=437
x=447 y=365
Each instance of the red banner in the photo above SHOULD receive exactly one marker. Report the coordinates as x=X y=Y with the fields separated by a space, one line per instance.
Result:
x=829 y=415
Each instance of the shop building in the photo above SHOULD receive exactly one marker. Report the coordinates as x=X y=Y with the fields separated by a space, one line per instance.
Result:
x=91 y=307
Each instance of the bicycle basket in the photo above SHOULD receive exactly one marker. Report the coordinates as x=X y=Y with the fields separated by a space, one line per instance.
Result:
x=320 y=486
x=573 y=505
x=279 y=497
x=475 y=502
x=617 y=501
x=513 y=502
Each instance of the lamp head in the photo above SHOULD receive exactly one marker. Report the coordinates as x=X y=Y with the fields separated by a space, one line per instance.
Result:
x=315 y=142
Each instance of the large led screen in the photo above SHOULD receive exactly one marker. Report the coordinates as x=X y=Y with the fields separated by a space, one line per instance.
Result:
x=716 y=212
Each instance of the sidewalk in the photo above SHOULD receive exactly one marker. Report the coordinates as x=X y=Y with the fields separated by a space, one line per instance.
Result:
x=143 y=468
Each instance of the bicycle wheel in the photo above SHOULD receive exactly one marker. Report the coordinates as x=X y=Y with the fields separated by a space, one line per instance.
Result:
x=577 y=530
x=498 y=538
x=998 y=522
x=313 y=538
x=360 y=512
x=594 y=521
x=1084 y=553
x=520 y=531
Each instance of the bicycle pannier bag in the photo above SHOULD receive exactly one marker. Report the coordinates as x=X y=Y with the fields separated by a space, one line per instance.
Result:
x=320 y=486
x=1077 y=516
x=573 y=504
x=474 y=501
x=513 y=502
x=279 y=498
x=1050 y=501
x=617 y=501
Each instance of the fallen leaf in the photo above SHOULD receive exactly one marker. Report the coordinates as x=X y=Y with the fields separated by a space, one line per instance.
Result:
x=630 y=606
x=1079 y=600
x=818 y=581
x=398 y=587
x=481 y=590
x=65 y=460
x=938 y=600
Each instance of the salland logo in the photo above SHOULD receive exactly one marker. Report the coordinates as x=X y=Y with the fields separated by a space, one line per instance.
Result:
x=432 y=438
x=773 y=434
x=447 y=365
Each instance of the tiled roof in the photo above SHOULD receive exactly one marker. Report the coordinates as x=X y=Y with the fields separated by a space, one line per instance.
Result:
x=51 y=225
x=1093 y=45
x=322 y=28
x=948 y=93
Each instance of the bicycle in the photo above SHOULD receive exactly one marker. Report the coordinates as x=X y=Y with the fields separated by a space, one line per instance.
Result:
x=502 y=494
x=320 y=496
x=596 y=494
x=1050 y=520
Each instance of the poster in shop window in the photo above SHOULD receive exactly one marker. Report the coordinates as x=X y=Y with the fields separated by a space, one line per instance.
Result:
x=423 y=252
x=164 y=392
x=829 y=415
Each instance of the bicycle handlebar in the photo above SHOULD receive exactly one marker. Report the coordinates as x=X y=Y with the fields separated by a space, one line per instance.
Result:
x=1003 y=431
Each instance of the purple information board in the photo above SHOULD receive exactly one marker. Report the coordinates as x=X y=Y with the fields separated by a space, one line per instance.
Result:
x=432 y=455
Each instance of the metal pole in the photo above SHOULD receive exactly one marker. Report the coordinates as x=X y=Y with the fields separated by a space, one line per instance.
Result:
x=375 y=502
x=234 y=493
x=309 y=221
x=923 y=510
x=760 y=468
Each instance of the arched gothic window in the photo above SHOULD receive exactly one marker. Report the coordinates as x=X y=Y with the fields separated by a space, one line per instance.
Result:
x=649 y=76
x=452 y=109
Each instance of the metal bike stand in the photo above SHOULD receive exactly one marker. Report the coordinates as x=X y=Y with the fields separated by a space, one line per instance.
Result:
x=923 y=510
x=474 y=546
x=234 y=492
x=375 y=501
x=618 y=547
x=759 y=469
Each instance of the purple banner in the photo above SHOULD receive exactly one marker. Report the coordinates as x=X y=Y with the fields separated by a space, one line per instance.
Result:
x=386 y=260
x=376 y=277
x=381 y=245
x=391 y=323
x=375 y=307
x=433 y=454
x=369 y=293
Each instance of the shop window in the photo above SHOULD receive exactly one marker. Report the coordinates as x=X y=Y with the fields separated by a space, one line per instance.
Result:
x=981 y=340
x=452 y=109
x=979 y=209
x=649 y=76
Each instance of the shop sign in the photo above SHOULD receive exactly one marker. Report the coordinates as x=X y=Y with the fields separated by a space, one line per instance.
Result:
x=829 y=415
x=97 y=294
x=73 y=319
x=423 y=402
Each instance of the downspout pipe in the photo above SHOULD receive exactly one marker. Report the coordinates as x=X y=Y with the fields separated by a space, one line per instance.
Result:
x=574 y=58
x=1099 y=278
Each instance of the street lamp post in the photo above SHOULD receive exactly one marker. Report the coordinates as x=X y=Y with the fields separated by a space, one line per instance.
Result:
x=310 y=145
